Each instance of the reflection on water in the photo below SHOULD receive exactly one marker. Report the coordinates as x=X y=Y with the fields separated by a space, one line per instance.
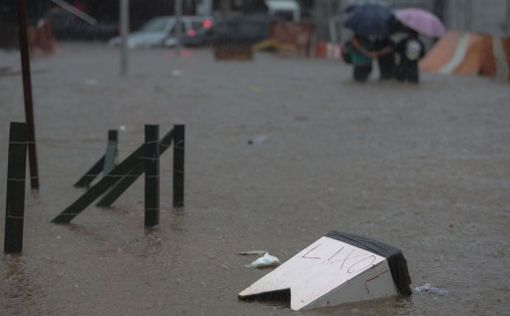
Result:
x=391 y=306
x=178 y=220
x=19 y=294
x=381 y=307
x=88 y=232
x=151 y=244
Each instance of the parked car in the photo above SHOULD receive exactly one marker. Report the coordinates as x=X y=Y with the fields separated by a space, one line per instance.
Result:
x=162 y=32
x=66 y=26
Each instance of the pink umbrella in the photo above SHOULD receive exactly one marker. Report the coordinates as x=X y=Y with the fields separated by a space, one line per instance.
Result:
x=421 y=21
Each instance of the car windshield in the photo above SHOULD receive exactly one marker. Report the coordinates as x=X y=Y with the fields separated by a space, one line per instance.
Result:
x=157 y=25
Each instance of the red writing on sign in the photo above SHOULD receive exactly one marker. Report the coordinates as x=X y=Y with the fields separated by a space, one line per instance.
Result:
x=350 y=261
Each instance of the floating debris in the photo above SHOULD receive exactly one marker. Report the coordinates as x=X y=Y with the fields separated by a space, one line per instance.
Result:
x=428 y=288
x=264 y=262
x=258 y=140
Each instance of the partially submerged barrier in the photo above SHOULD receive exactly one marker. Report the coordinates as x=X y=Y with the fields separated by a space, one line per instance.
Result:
x=113 y=184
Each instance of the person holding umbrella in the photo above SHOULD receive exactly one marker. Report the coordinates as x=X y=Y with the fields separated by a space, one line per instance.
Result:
x=372 y=23
x=360 y=53
x=410 y=49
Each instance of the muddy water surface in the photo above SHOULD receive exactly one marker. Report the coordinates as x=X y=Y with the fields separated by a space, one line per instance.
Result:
x=426 y=169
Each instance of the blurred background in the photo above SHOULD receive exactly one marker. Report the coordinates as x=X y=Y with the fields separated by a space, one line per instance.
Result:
x=489 y=16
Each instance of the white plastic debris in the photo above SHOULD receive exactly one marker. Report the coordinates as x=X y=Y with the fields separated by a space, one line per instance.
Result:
x=258 y=140
x=176 y=73
x=428 y=288
x=265 y=261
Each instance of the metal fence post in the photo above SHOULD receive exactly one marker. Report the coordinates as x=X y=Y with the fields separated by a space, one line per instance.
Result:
x=178 y=174
x=15 y=204
x=151 y=162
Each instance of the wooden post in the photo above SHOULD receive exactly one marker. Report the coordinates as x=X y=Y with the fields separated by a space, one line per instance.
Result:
x=151 y=163
x=27 y=91
x=15 y=205
x=178 y=174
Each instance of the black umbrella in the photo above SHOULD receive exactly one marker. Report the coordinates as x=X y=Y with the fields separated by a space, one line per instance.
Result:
x=371 y=20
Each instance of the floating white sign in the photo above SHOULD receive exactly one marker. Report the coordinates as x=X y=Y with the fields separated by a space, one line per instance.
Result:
x=328 y=272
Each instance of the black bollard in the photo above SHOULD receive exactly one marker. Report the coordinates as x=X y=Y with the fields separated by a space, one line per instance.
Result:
x=15 y=205
x=151 y=163
x=178 y=174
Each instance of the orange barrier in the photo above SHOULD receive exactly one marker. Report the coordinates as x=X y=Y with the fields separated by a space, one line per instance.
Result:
x=469 y=54
x=328 y=51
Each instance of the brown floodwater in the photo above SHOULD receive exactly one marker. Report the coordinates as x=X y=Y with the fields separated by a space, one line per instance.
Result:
x=424 y=168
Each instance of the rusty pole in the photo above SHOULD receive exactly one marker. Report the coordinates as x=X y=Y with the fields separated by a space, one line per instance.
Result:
x=27 y=91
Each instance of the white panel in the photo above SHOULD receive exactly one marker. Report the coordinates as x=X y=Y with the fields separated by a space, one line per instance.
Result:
x=371 y=284
x=319 y=269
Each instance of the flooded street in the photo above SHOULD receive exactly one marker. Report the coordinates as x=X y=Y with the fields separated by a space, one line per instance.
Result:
x=278 y=153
